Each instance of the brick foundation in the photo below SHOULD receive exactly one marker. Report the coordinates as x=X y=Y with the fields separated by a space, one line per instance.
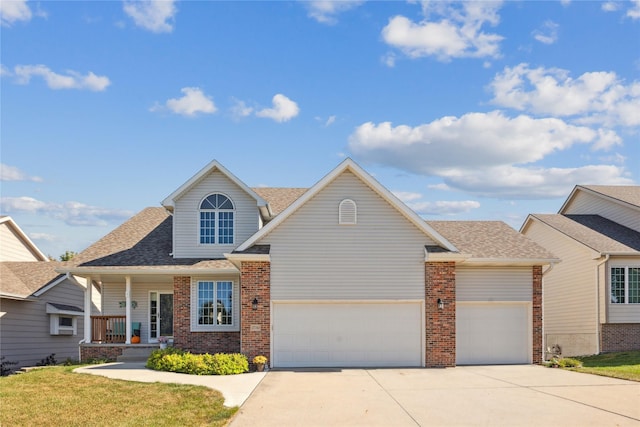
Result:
x=440 y=283
x=196 y=342
x=255 y=282
x=619 y=337
x=100 y=351
x=537 y=352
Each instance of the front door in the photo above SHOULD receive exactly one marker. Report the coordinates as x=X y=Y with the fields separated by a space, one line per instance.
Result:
x=160 y=315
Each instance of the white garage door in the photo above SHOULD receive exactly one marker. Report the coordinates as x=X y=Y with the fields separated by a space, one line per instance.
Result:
x=492 y=333
x=347 y=334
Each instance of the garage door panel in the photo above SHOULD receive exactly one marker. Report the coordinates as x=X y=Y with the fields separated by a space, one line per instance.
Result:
x=347 y=334
x=492 y=333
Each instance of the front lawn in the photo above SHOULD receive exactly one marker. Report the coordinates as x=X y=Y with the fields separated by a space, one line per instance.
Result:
x=55 y=396
x=624 y=365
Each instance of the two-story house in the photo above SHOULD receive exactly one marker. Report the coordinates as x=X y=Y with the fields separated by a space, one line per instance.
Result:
x=340 y=274
x=592 y=297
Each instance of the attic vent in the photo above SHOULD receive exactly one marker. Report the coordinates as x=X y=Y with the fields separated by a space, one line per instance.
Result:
x=347 y=212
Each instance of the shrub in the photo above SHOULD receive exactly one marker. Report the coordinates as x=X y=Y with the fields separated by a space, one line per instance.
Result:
x=4 y=366
x=50 y=360
x=176 y=360
x=564 y=362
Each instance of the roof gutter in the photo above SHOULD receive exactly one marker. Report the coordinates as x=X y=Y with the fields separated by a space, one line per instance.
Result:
x=513 y=261
x=237 y=259
x=90 y=271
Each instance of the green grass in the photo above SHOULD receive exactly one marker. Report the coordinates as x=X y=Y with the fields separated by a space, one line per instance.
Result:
x=624 y=365
x=57 y=397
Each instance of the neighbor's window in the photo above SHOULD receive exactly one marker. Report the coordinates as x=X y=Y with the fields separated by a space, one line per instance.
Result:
x=215 y=303
x=625 y=285
x=216 y=220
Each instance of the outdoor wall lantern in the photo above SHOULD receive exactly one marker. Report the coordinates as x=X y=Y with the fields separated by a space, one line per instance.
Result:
x=254 y=303
x=440 y=304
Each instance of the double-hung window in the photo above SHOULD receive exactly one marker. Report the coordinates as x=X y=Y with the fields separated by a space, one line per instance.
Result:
x=625 y=285
x=217 y=220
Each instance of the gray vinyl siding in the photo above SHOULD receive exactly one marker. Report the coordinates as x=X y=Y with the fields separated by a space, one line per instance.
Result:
x=494 y=284
x=589 y=204
x=186 y=239
x=114 y=292
x=315 y=258
x=621 y=313
x=12 y=248
x=25 y=328
x=570 y=292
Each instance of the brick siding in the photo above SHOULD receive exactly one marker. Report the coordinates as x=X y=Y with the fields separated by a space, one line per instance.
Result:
x=196 y=342
x=538 y=355
x=100 y=351
x=255 y=282
x=440 y=282
x=619 y=337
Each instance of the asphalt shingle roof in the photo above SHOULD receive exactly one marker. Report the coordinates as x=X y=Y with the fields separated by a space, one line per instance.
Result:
x=625 y=193
x=23 y=278
x=279 y=198
x=594 y=231
x=490 y=240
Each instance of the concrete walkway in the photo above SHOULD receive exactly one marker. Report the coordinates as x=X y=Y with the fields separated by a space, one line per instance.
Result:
x=462 y=396
x=235 y=388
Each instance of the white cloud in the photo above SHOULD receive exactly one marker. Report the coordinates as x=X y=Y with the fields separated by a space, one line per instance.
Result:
x=610 y=6
x=634 y=10
x=535 y=182
x=240 y=109
x=72 y=213
x=283 y=109
x=548 y=33
x=12 y=173
x=435 y=208
x=407 y=196
x=331 y=120
x=154 y=15
x=14 y=10
x=72 y=79
x=457 y=34
x=192 y=103
x=326 y=11
x=596 y=97
x=46 y=237
x=479 y=150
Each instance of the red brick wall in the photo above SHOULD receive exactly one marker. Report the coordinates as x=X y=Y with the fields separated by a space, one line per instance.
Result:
x=537 y=352
x=196 y=342
x=108 y=352
x=619 y=337
x=255 y=282
x=440 y=282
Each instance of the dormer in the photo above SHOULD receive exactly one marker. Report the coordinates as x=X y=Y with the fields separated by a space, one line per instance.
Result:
x=213 y=213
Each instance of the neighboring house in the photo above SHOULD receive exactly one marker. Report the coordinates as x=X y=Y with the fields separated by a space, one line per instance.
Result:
x=341 y=274
x=40 y=309
x=592 y=297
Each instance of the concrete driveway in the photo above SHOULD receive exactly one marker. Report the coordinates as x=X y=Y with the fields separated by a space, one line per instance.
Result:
x=462 y=396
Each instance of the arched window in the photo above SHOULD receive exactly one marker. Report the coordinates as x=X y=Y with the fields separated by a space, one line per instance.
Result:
x=216 y=220
x=347 y=214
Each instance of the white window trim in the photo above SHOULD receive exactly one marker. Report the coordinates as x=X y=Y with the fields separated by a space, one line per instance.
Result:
x=626 y=268
x=56 y=314
x=216 y=211
x=235 y=325
x=341 y=214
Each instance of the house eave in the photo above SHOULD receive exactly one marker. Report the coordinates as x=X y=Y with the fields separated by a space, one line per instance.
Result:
x=237 y=259
x=93 y=271
x=445 y=256
x=18 y=297
x=524 y=262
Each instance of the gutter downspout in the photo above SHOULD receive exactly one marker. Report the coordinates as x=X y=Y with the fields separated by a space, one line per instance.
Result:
x=606 y=259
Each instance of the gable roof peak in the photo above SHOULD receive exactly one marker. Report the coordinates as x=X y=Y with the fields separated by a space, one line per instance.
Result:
x=169 y=201
x=350 y=165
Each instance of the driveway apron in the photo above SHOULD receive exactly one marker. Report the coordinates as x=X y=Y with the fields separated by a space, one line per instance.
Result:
x=522 y=395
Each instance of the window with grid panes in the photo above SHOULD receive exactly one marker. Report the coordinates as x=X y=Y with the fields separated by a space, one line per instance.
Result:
x=625 y=285
x=217 y=220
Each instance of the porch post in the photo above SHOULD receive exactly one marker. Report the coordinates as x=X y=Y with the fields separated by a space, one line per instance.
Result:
x=87 y=310
x=127 y=297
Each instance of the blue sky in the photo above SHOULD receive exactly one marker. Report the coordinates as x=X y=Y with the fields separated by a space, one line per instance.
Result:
x=465 y=110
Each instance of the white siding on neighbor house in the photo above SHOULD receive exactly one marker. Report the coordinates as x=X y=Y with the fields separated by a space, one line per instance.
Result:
x=313 y=257
x=621 y=313
x=25 y=328
x=114 y=292
x=186 y=217
x=588 y=204
x=494 y=283
x=569 y=292
x=12 y=247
